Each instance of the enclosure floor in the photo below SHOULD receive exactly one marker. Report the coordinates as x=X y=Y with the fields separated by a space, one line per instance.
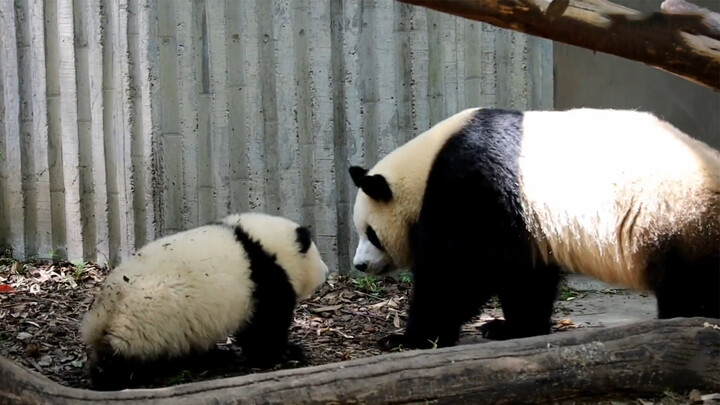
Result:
x=342 y=321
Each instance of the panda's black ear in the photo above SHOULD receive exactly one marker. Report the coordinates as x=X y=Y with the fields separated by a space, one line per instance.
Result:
x=304 y=238
x=376 y=187
x=357 y=173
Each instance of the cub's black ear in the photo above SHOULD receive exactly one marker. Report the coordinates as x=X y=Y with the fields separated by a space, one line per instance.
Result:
x=357 y=173
x=376 y=187
x=304 y=238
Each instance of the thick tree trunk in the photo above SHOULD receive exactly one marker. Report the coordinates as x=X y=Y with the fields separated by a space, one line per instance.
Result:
x=632 y=360
x=682 y=39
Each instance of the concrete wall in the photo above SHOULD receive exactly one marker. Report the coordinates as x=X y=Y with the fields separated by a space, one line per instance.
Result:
x=124 y=120
x=587 y=79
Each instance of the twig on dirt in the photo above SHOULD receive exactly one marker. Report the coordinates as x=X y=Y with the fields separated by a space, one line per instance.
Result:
x=366 y=314
x=34 y=364
x=14 y=304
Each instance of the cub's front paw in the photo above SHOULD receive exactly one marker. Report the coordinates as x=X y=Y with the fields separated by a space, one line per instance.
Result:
x=295 y=352
x=494 y=330
x=394 y=342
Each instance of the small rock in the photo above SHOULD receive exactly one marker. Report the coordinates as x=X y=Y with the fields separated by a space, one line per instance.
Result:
x=45 y=361
x=23 y=336
x=369 y=328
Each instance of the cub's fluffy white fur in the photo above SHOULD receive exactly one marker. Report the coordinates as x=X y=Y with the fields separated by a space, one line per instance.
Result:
x=184 y=292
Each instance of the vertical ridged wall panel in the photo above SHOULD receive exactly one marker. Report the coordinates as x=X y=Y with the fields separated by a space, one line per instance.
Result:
x=125 y=120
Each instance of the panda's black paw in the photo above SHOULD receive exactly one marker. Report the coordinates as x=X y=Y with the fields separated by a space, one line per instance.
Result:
x=393 y=343
x=494 y=330
x=295 y=353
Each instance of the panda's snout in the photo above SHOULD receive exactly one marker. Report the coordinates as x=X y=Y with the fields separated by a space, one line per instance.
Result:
x=368 y=258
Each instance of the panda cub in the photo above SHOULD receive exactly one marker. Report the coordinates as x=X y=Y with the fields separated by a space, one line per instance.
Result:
x=497 y=202
x=180 y=294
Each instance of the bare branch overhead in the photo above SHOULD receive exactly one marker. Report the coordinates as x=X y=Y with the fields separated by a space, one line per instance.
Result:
x=682 y=38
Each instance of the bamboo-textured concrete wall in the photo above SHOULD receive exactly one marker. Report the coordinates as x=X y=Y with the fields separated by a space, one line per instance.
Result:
x=124 y=120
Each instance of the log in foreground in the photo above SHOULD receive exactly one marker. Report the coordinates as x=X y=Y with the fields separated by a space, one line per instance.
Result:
x=683 y=40
x=640 y=359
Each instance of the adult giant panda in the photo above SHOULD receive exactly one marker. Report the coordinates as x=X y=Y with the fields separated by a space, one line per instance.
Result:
x=492 y=201
x=180 y=294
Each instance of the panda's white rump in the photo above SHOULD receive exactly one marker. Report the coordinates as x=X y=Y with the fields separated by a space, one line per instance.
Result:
x=603 y=188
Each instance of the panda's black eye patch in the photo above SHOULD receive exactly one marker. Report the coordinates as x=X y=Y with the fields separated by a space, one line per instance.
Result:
x=373 y=238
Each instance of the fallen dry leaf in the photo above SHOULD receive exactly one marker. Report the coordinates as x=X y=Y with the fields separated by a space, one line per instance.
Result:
x=5 y=288
x=379 y=304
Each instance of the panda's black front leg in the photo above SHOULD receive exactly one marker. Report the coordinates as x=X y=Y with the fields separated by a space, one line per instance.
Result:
x=427 y=326
x=295 y=352
x=263 y=347
x=527 y=303
x=264 y=341
x=438 y=308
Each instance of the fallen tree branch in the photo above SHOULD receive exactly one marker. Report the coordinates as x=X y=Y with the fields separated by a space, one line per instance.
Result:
x=712 y=19
x=684 y=39
x=639 y=359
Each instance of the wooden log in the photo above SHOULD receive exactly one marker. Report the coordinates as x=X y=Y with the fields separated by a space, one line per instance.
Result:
x=632 y=360
x=682 y=39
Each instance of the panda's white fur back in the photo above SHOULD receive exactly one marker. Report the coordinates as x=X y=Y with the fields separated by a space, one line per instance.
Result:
x=188 y=295
x=602 y=187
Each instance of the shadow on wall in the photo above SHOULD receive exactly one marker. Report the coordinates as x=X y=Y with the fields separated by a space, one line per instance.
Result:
x=587 y=79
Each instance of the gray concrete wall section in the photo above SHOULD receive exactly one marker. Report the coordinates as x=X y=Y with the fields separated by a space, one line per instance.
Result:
x=125 y=120
x=587 y=79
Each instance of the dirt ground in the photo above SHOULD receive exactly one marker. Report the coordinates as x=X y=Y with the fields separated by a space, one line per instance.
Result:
x=42 y=303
